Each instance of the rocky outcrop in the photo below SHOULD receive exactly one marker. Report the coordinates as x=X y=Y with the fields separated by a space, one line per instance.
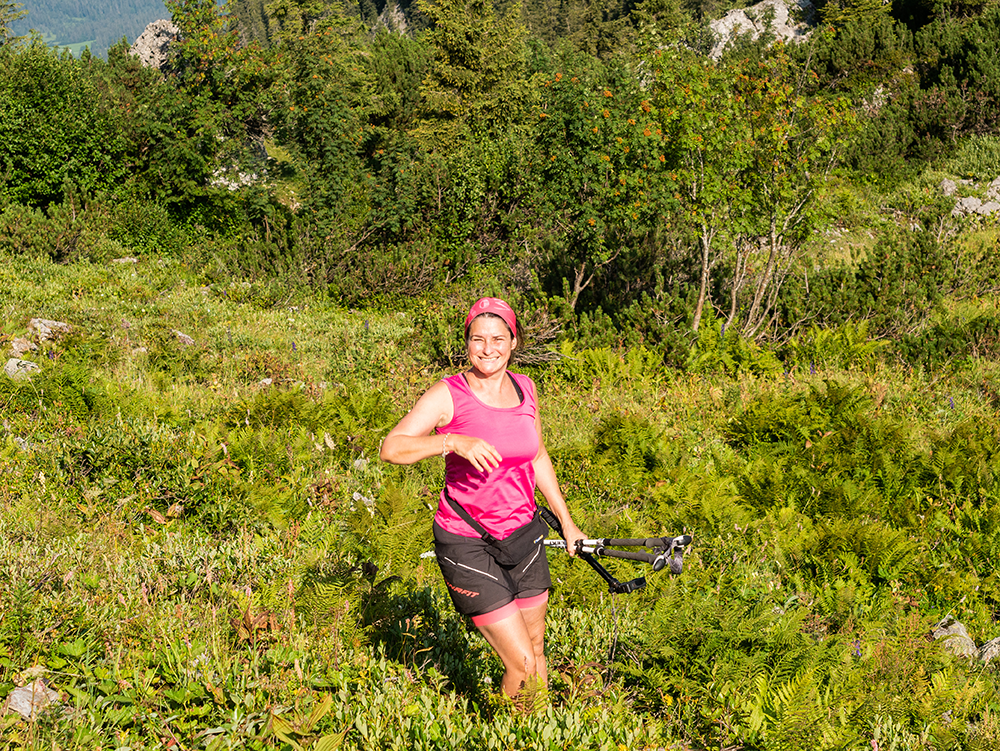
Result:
x=968 y=205
x=785 y=19
x=393 y=19
x=152 y=46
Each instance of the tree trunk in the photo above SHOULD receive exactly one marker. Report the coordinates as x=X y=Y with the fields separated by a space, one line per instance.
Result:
x=707 y=234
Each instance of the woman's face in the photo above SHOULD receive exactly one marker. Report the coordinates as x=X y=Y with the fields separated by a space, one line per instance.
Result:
x=490 y=345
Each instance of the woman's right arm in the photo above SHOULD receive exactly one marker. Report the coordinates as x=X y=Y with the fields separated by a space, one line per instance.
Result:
x=411 y=439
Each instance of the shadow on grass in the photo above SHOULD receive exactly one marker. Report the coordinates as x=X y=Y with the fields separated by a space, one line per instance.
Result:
x=419 y=629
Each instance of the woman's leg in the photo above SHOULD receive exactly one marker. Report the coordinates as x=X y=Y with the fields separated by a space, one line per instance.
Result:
x=534 y=620
x=519 y=640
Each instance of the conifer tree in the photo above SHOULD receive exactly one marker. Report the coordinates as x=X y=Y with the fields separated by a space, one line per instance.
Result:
x=9 y=12
x=478 y=81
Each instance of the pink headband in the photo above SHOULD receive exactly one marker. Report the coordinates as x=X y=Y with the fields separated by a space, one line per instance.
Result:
x=497 y=307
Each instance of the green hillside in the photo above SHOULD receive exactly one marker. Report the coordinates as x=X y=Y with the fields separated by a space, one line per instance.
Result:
x=758 y=296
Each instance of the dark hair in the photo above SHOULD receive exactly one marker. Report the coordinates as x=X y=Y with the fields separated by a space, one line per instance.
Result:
x=488 y=315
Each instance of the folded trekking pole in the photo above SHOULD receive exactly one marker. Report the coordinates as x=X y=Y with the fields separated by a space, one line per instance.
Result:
x=664 y=550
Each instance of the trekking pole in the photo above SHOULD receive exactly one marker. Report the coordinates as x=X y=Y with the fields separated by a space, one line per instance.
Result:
x=614 y=586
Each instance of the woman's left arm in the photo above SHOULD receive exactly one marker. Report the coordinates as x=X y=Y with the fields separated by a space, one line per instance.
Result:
x=545 y=480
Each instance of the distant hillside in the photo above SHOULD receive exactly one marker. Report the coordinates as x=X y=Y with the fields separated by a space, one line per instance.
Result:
x=76 y=24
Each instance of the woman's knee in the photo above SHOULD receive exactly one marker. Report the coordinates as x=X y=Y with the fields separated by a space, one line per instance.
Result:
x=522 y=665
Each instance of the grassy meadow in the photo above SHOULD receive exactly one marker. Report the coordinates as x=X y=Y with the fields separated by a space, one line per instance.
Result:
x=200 y=549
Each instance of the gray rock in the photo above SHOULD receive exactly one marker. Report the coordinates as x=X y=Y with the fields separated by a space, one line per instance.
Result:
x=152 y=46
x=183 y=338
x=393 y=19
x=48 y=330
x=28 y=701
x=989 y=208
x=126 y=259
x=948 y=187
x=19 y=370
x=21 y=345
x=956 y=638
x=993 y=192
x=967 y=205
x=989 y=650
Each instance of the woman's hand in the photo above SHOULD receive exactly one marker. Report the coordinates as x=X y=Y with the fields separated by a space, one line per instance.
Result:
x=479 y=453
x=572 y=533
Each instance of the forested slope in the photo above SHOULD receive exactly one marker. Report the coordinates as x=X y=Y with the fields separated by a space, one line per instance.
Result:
x=98 y=25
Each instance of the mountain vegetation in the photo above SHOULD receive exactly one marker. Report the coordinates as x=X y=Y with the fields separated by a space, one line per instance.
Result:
x=751 y=307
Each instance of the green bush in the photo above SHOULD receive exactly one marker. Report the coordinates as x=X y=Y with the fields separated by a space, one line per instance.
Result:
x=59 y=129
x=895 y=287
x=949 y=342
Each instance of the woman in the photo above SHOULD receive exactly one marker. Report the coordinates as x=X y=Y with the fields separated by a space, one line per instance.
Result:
x=485 y=423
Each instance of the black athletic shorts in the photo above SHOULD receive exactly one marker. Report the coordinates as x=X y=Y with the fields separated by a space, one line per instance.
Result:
x=477 y=583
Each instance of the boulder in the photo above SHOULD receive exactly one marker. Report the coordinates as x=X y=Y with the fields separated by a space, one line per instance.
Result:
x=21 y=345
x=989 y=650
x=152 y=46
x=48 y=330
x=19 y=370
x=29 y=701
x=956 y=638
x=993 y=192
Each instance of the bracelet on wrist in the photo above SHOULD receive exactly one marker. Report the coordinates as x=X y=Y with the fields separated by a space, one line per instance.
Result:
x=444 y=445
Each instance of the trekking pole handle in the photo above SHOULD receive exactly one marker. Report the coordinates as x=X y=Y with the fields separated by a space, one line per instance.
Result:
x=602 y=551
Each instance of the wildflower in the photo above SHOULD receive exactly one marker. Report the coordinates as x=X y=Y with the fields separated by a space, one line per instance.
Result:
x=606 y=113
x=607 y=93
x=631 y=121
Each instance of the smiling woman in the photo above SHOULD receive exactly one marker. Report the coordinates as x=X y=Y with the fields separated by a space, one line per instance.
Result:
x=487 y=532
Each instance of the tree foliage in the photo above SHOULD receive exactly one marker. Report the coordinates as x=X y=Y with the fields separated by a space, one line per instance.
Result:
x=60 y=129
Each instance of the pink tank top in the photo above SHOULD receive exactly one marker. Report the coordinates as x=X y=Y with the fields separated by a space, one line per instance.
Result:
x=502 y=500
